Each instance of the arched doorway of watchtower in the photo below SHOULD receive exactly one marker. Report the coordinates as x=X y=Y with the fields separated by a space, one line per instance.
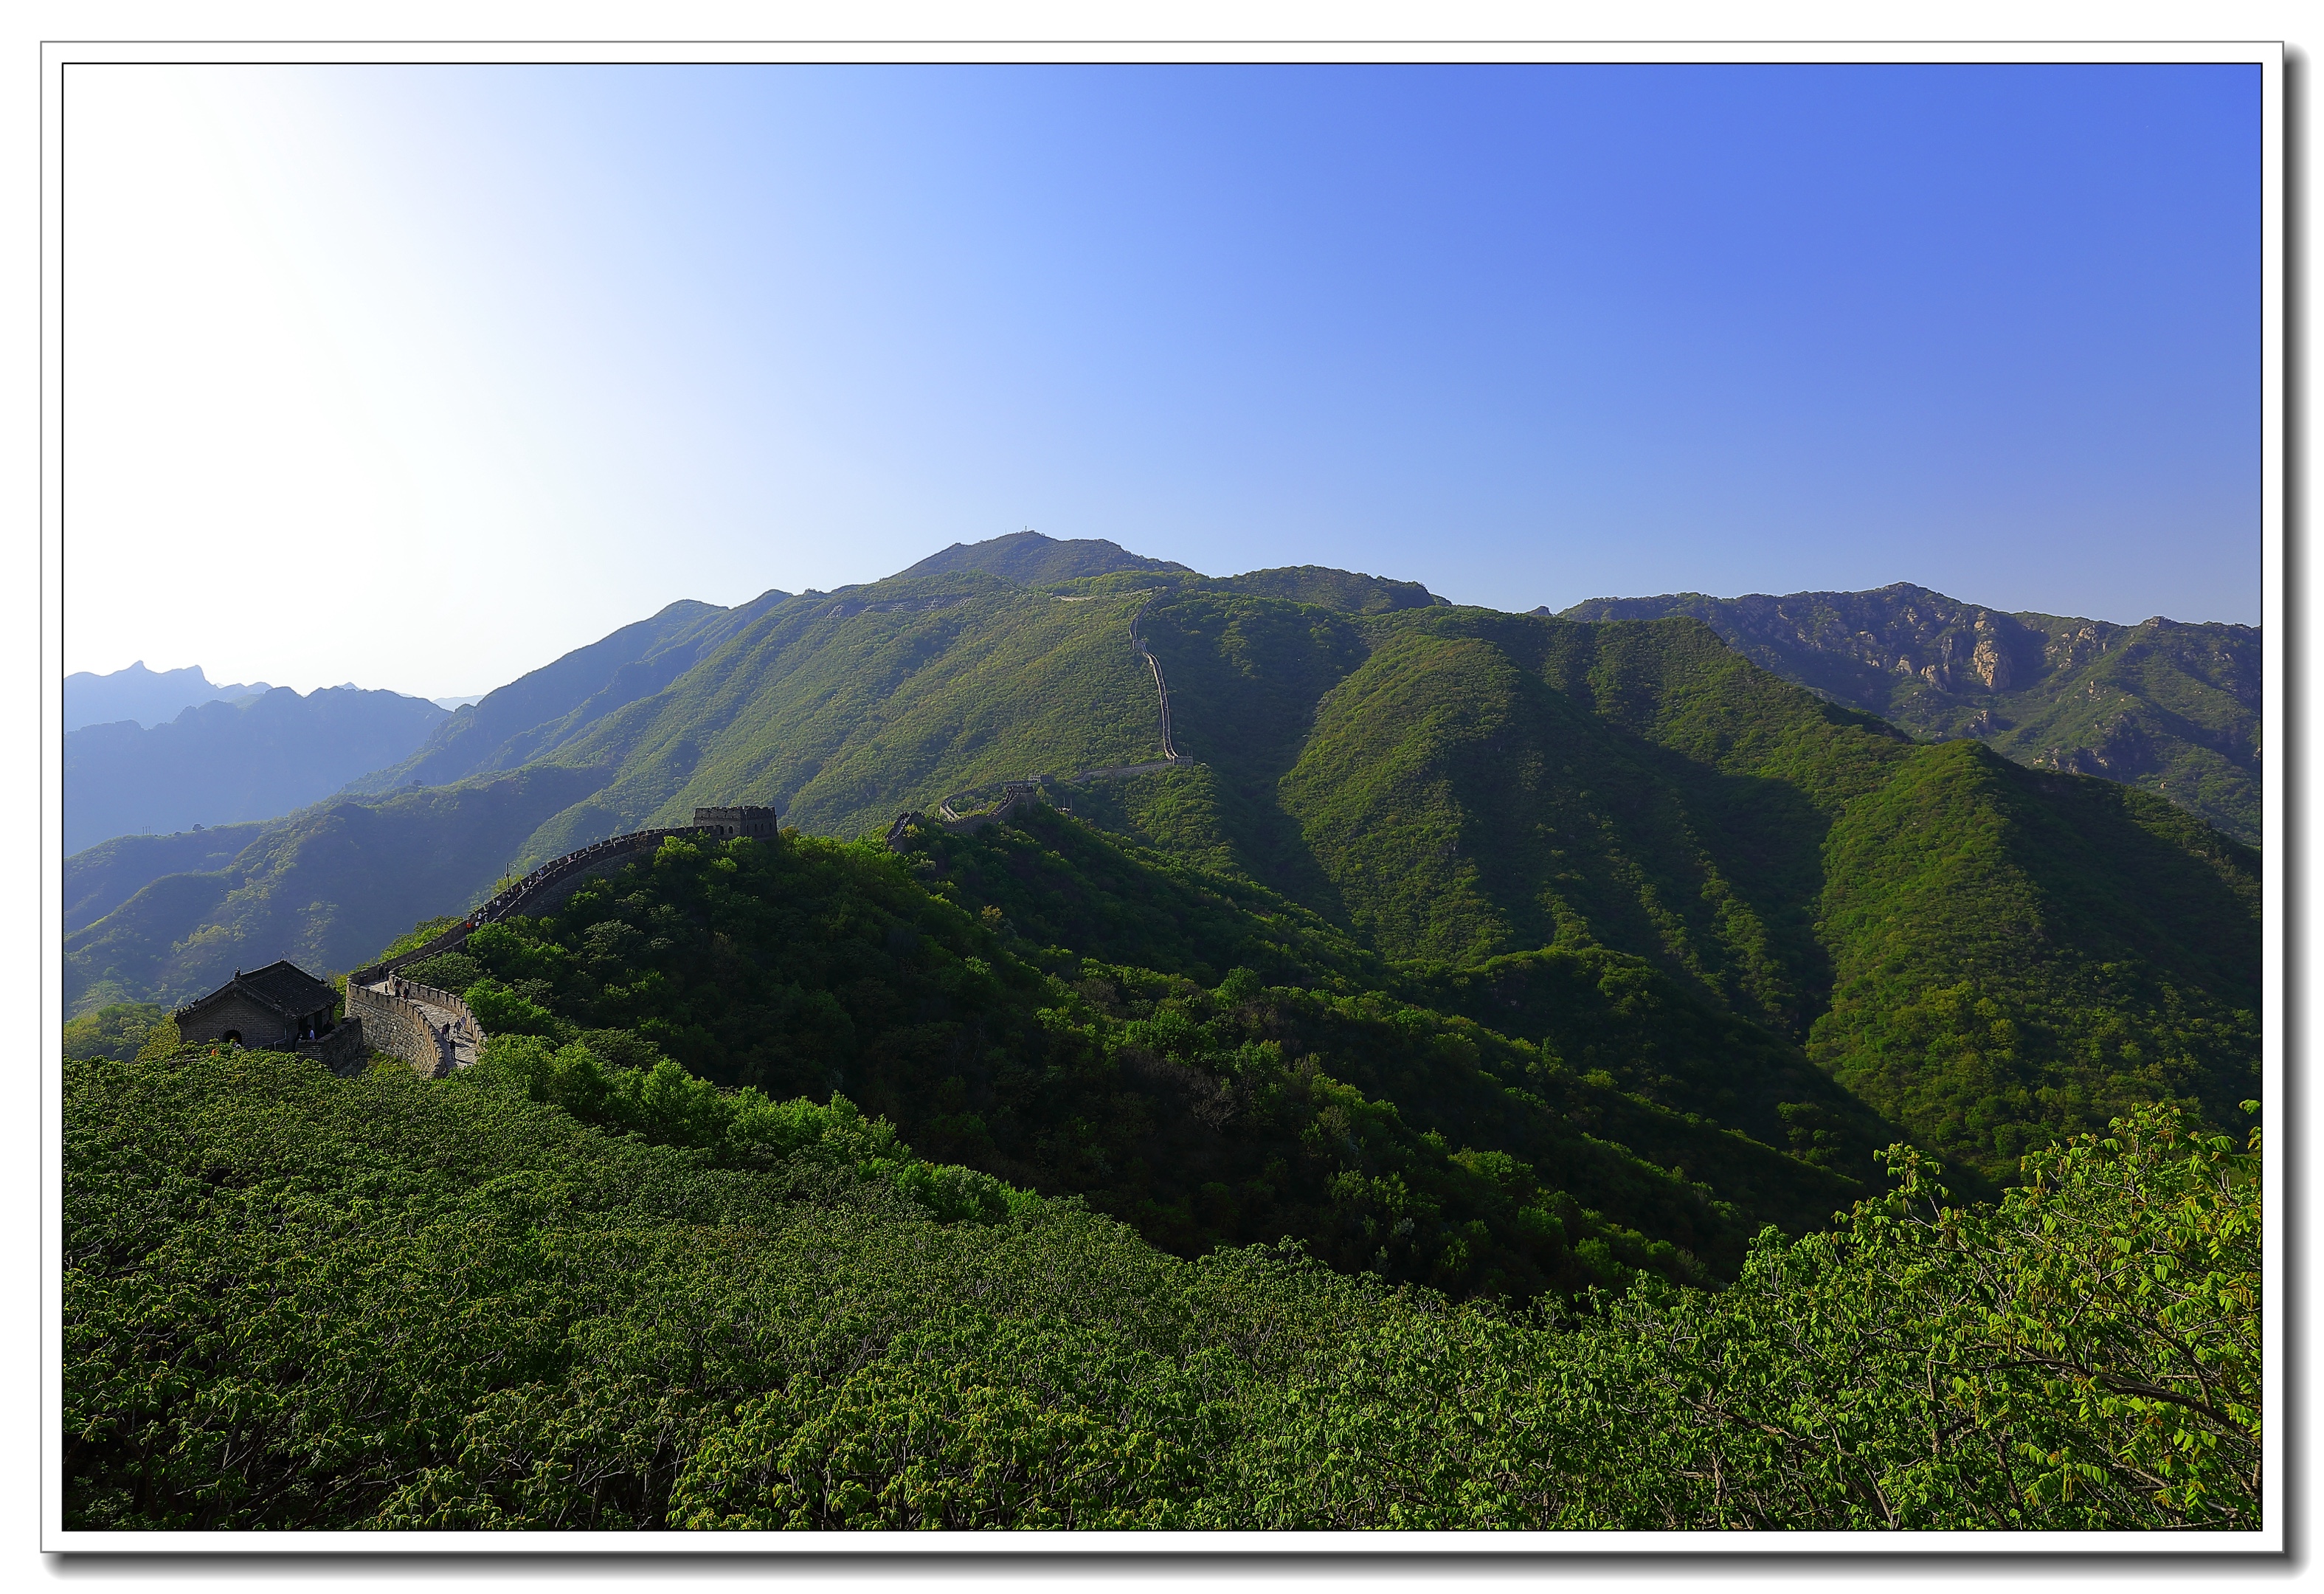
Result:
x=231 y=1037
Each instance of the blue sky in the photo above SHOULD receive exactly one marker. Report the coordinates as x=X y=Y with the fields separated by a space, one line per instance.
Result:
x=597 y=338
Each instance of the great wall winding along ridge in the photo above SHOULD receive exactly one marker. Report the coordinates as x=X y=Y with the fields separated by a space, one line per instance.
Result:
x=1015 y=794
x=1161 y=691
x=434 y=1031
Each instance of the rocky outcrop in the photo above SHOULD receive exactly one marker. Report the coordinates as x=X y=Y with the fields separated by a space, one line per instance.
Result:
x=2165 y=705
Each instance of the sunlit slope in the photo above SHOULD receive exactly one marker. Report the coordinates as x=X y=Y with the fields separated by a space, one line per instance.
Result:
x=2168 y=707
x=100 y=879
x=2015 y=952
x=1457 y=783
x=534 y=715
x=848 y=709
x=1033 y=560
x=1982 y=952
x=843 y=711
x=1084 y=894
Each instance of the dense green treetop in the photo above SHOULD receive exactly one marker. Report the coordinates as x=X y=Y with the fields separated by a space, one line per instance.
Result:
x=295 y=1302
x=117 y=1030
x=1331 y=588
x=1220 y=1114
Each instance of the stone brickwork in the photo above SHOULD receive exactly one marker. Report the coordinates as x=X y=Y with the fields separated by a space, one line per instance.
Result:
x=1161 y=690
x=239 y=1018
x=341 y=1050
x=727 y=823
x=400 y=1028
x=955 y=812
x=433 y=1030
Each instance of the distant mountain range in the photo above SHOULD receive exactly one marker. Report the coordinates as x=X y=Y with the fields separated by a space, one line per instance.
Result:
x=221 y=762
x=1983 y=952
x=148 y=696
x=2168 y=707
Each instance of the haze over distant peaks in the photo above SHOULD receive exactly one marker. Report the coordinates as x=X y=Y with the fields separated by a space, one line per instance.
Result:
x=1027 y=557
x=148 y=696
x=224 y=762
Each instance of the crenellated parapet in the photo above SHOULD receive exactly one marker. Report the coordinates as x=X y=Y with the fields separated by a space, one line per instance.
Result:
x=433 y=1030
x=547 y=885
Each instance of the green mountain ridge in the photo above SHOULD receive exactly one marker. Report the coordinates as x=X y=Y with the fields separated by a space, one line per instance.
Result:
x=1382 y=1134
x=1031 y=558
x=1985 y=954
x=100 y=879
x=542 y=709
x=2170 y=707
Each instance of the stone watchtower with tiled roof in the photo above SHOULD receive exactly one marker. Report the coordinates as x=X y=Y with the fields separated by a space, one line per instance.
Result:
x=280 y=1007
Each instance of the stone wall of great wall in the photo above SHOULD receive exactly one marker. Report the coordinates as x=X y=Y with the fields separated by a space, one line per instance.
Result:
x=962 y=813
x=402 y=1028
x=1161 y=688
x=544 y=888
x=399 y=1017
x=433 y=1030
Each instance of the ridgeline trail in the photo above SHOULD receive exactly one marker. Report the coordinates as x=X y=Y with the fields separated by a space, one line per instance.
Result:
x=953 y=816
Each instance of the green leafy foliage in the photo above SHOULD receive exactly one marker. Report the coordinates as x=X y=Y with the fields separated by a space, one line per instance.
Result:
x=1032 y=559
x=117 y=1030
x=324 y=888
x=293 y=1300
x=1383 y=1134
x=1331 y=588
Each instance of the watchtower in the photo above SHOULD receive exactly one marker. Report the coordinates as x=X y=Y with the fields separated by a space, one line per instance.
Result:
x=726 y=823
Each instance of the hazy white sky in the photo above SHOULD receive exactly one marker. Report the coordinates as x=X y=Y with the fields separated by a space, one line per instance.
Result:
x=420 y=377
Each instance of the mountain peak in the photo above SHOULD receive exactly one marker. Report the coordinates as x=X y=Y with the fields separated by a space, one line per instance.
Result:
x=1029 y=557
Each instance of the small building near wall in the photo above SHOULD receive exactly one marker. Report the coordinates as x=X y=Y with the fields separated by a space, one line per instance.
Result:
x=726 y=823
x=280 y=1007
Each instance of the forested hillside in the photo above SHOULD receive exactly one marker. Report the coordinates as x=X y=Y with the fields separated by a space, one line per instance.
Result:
x=294 y=1301
x=1031 y=558
x=1986 y=955
x=2168 y=707
x=324 y=889
x=539 y=711
x=1501 y=1076
x=1203 y=1105
x=100 y=879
